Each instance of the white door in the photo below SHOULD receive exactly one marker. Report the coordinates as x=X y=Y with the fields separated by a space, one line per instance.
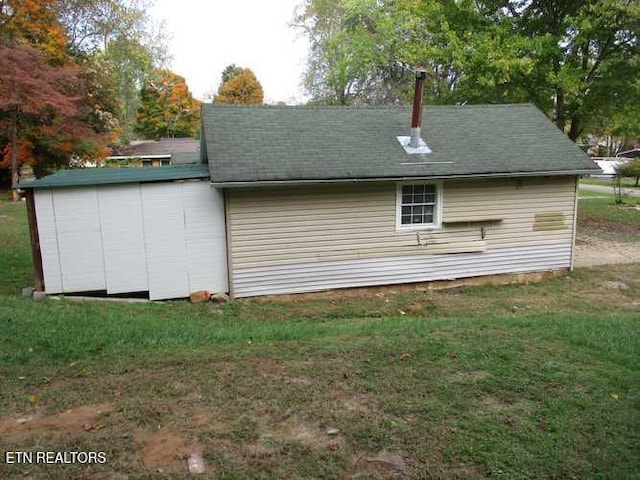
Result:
x=79 y=239
x=125 y=257
x=164 y=230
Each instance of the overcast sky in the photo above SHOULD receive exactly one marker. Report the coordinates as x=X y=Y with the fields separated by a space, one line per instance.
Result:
x=206 y=36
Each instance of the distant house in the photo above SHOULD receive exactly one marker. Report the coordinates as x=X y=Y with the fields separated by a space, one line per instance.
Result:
x=609 y=165
x=301 y=199
x=156 y=153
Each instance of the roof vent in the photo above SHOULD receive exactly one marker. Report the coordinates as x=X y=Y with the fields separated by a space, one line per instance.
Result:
x=413 y=143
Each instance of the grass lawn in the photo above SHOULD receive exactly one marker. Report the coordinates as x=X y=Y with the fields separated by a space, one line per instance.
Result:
x=599 y=216
x=528 y=381
x=625 y=182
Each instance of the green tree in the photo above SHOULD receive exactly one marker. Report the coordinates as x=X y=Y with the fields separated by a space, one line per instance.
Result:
x=229 y=72
x=167 y=108
x=589 y=61
x=352 y=51
x=132 y=65
x=630 y=169
x=578 y=60
x=127 y=45
x=241 y=87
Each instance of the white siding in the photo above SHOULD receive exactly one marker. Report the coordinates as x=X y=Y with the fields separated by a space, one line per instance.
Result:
x=165 y=241
x=309 y=277
x=168 y=238
x=123 y=238
x=48 y=236
x=79 y=239
x=205 y=237
x=317 y=237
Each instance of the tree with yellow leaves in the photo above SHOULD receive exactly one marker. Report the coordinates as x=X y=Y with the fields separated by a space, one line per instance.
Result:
x=167 y=108
x=239 y=85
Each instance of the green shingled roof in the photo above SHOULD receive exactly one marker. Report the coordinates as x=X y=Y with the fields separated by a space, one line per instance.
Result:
x=99 y=176
x=272 y=144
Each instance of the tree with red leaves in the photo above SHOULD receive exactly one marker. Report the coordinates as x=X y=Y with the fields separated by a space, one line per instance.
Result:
x=31 y=88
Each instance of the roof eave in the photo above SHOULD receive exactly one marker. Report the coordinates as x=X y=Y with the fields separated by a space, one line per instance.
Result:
x=134 y=175
x=266 y=183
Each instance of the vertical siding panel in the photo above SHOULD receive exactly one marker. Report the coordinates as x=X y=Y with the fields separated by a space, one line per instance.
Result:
x=165 y=242
x=205 y=237
x=123 y=237
x=48 y=241
x=79 y=239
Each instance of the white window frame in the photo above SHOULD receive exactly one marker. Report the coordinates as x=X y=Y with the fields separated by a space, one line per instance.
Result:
x=437 y=211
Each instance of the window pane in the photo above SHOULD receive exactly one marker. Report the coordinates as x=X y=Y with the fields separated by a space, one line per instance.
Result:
x=418 y=204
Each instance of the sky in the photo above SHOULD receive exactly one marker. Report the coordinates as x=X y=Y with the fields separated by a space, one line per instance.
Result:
x=206 y=36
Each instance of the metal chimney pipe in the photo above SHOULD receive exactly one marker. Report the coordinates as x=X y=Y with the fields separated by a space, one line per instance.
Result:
x=416 y=119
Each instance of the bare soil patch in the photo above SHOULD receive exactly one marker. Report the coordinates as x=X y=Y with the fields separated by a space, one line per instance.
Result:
x=592 y=251
x=76 y=420
x=165 y=451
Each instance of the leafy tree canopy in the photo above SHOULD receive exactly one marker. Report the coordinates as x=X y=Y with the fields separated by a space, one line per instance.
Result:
x=577 y=60
x=97 y=53
x=167 y=108
x=630 y=169
x=239 y=85
x=41 y=107
x=229 y=72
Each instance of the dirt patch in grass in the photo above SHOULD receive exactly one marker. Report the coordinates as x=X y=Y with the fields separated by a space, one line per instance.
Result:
x=165 y=451
x=494 y=403
x=609 y=227
x=471 y=376
x=383 y=465
x=360 y=403
x=592 y=251
x=294 y=429
x=75 y=420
